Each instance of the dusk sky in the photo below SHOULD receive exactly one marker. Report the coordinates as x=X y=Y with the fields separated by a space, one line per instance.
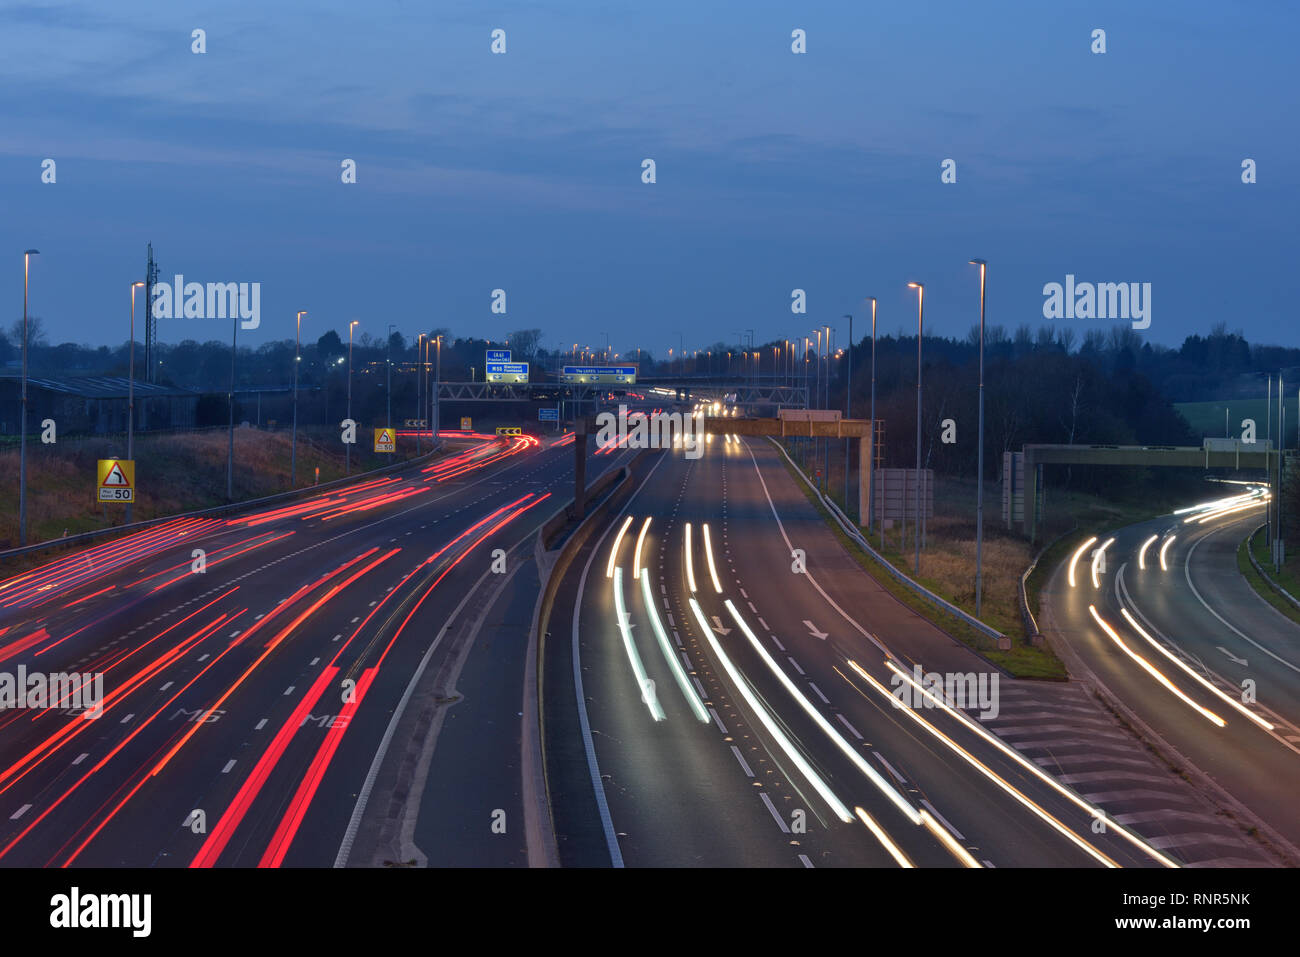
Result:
x=774 y=170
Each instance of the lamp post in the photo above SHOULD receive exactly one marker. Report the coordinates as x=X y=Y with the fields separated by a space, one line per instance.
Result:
x=22 y=428
x=388 y=389
x=871 y=464
x=979 y=468
x=230 y=445
x=130 y=394
x=920 y=325
x=419 y=389
x=293 y=454
x=437 y=381
x=347 y=448
x=848 y=410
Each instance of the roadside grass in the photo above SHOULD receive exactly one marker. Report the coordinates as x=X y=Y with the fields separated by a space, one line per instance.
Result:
x=1287 y=578
x=175 y=472
x=1022 y=660
x=948 y=556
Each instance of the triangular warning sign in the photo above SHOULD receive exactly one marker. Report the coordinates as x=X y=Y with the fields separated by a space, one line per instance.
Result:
x=115 y=477
x=385 y=437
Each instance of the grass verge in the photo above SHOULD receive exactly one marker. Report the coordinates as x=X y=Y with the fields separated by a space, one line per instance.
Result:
x=1260 y=584
x=1022 y=660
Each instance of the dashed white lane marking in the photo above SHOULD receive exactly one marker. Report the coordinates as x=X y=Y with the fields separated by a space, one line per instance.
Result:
x=743 y=593
x=776 y=641
x=166 y=686
x=716 y=720
x=356 y=619
x=313 y=663
x=763 y=623
x=700 y=688
x=127 y=718
x=845 y=721
x=752 y=608
x=785 y=829
x=337 y=637
x=818 y=692
x=20 y=812
x=229 y=764
x=890 y=768
x=672 y=622
x=81 y=757
x=804 y=859
x=743 y=763
x=943 y=820
x=795 y=664
x=233 y=634
x=205 y=657
x=260 y=725
x=288 y=691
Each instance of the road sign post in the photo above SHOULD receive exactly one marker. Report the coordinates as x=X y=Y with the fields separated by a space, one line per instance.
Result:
x=116 y=481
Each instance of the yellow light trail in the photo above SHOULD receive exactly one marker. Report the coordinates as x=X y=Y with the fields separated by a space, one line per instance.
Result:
x=1153 y=671
x=613 y=552
x=690 y=564
x=1142 y=552
x=708 y=553
x=1074 y=559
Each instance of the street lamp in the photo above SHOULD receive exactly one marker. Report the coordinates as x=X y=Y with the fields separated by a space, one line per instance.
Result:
x=130 y=395
x=293 y=455
x=388 y=421
x=22 y=447
x=848 y=411
x=419 y=389
x=979 y=468
x=920 y=325
x=347 y=448
x=871 y=465
x=437 y=381
x=230 y=445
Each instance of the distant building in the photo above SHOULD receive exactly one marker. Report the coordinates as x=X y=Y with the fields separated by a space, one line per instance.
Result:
x=93 y=404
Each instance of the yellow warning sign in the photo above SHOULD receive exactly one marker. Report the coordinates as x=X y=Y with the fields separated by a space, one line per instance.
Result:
x=385 y=440
x=509 y=430
x=116 y=480
x=466 y=423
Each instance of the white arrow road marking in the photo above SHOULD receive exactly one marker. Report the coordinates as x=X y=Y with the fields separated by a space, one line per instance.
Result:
x=1240 y=661
x=717 y=626
x=812 y=630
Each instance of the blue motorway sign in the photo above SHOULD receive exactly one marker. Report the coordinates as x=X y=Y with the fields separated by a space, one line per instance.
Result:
x=607 y=375
x=498 y=355
x=548 y=415
x=507 y=372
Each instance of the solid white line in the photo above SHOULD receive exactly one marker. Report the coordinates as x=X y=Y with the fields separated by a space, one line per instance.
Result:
x=1187 y=572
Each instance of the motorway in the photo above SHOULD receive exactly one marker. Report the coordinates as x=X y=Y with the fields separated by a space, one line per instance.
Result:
x=1170 y=626
x=248 y=705
x=735 y=702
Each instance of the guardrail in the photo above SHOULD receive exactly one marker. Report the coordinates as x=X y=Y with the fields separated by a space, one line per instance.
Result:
x=1004 y=642
x=1032 y=631
x=215 y=510
x=1259 y=569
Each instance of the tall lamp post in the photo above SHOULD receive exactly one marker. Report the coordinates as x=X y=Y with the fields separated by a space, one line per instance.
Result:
x=419 y=389
x=22 y=428
x=848 y=410
x=230 y=445
x=871 y=464
x=920 y=325
x=130 y=394
x=347 y=448
x=293 y=454
x=388 y=389
x=979 y=468
x=436 y=421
